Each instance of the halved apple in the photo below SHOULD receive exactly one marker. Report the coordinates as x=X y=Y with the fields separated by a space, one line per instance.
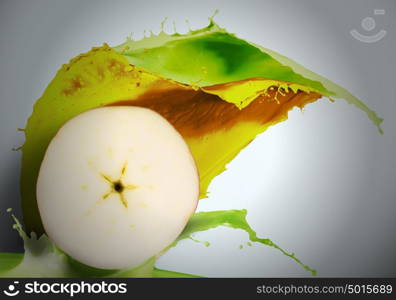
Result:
x=116 y=186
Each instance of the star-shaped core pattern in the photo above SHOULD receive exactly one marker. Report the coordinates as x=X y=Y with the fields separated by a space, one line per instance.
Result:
x=118 y=186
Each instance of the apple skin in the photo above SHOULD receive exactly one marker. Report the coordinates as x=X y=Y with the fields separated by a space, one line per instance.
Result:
x=116 y=186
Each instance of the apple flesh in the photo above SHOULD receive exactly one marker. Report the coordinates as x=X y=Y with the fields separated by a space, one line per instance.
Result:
x=116 y=186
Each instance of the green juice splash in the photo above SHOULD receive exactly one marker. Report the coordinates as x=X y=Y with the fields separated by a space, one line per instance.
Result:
x=217 y=90
x=43 y=259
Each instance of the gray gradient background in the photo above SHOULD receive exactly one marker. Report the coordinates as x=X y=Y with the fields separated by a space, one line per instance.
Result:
x=322 y=184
